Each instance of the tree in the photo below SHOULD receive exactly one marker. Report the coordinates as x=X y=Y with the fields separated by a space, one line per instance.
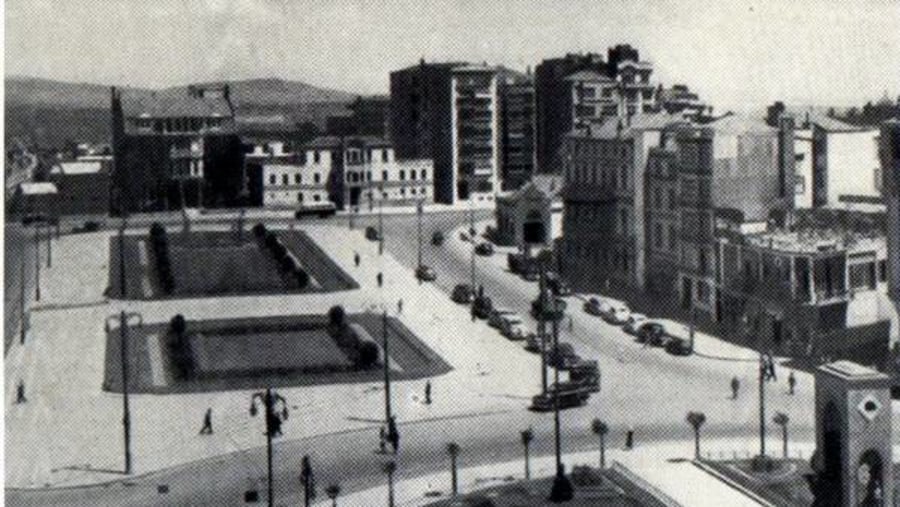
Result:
x=367 y=355
x=178 y=326
x=601 y=429
x=389 y=468
x=696 y=420
x=333 y=490
x=453 y=451
x=337 y=318
x=782 y=420
x=527 y=437
x=301 y=277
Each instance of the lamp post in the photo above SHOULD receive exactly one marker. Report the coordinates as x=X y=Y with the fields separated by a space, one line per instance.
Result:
x=123 y=319
x=122 y=277
x=750 y=328
x=542 y=323
x=37 y=264
x=387 y=369
x=472 y=235
x=381 y=222
x=274 y=418
x=419 y=212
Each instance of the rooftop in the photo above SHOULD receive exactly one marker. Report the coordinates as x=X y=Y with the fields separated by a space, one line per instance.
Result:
x=852 y=371
x=37 y=188
x=741 y=124
x=814 y=241
x=168 y=106
x=588 y=75
x=614 y=128
x=79 y=167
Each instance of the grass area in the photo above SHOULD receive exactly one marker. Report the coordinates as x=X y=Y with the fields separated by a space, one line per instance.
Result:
x=785 y=486
x=217 y=263
x=253 y=353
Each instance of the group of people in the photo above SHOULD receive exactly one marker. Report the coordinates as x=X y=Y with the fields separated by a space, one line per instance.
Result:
x=767 y=371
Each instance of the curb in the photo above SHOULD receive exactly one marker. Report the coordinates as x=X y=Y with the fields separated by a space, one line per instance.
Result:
x=734 y=485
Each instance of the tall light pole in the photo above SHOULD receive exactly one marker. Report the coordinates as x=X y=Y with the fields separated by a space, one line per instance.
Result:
x=274 y=418
x=562 y=488
x=381 y=222
x=37 y=264
x=472 y=236
x=419 y=212
x=123 y=318
x=122 y=277
x=750 y=329
x=542 y=323
x=22 y=323
x=387 y=369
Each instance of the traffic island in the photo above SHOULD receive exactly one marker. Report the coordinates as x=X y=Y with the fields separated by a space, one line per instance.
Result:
x=222 y=355
x=177 y=264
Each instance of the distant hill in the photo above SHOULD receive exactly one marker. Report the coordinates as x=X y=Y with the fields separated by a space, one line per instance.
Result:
x=50 y=112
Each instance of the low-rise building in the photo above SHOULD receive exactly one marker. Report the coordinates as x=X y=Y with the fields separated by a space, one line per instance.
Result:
x=83 y=187
x=805 y=292
x=890 y=168
x=531 y=215
x=302 y=179
x=846 y=169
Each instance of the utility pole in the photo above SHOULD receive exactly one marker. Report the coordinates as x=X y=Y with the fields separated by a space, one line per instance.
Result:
x=387 y=369
x=123 y=319
x=762 y=405
x=556 y=423
x=49 y=245
x=472 y=236
x=273 y=426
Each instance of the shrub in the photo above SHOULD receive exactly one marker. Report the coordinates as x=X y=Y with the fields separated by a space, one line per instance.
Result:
x=301 y=277
x=178 y=325
x=259 y=230
x=337 y=318
x=367 y=354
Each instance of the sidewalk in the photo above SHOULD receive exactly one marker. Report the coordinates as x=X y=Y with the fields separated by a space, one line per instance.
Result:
x=664 y=465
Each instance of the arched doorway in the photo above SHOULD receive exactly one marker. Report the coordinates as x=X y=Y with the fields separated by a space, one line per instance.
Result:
x=869 y=473
x=533 y=229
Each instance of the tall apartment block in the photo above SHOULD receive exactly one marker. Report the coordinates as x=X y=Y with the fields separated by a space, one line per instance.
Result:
x=450 y=113
x=517 y=162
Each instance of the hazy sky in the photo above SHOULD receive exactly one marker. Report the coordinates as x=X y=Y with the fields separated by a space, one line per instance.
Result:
x=733 y=52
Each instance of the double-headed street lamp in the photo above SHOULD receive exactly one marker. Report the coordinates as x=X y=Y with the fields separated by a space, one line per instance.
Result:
x=274 y=418
x=124 y=319
x=750 y=330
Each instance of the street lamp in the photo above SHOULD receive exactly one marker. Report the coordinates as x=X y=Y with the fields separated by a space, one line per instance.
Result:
x=122 y=228
x=274 y=418
x=381 y=221
x=123 y=319
x=562 y=487
x=750 y=328
x=419 y=212
x=542 y=323
x=385 y=360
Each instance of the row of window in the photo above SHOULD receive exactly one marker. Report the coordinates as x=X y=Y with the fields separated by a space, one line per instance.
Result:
x=659 y=199
x=604 y=258
x=661 y=242
x=605 y=176
x=298 y=179
x=164 y=125
x=356 y=177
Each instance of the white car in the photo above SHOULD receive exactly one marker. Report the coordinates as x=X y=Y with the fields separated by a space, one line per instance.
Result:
x=516 y=332
x=494 y=319
x=510 y=324
x=617 y=313
x=634 y=323
x=596 y=306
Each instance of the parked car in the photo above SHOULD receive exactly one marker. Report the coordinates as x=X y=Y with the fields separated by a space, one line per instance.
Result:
x=596 y=306
x=515 y=262
x=634 y=322
x=531 y=272
x=652 y=333
x=372 y=234
x=512 y=327
x=616 y=313
x=494 y=320
x=532 y=342
x=678 y=347
x=426 y=274
x=463 y=236
x=482 y=307
x=485 y=249
x=516 y=332
x=322 y=210
x=557 y=285
x=437 y=238
x=566 y=399
x=585 y=373
x=462 y=294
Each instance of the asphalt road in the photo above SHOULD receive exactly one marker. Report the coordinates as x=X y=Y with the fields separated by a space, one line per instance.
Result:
x=650 y=392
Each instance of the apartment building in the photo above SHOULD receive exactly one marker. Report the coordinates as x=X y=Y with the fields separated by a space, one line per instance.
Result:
x=890 y=169
x=517 y=148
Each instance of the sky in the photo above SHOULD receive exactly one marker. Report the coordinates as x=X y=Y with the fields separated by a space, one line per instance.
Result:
x=736 y=53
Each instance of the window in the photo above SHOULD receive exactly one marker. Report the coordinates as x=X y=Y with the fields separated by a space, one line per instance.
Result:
x=299 y=196
x=384 y=175
x=424 y=174
x=673 y=200
x=316 y=197
x=384 y=155
x=673 y=236
x=882 y=271
x=284 y=179
x=412 y=174
x=862 y=276
x=657 y=198
x=272 y=179
x=298 y=179
x=368 y=175
x=316 y=157
x=799 y=184
x=402 y=175
x=403 y=191
x=657 y=235
x=317 y=178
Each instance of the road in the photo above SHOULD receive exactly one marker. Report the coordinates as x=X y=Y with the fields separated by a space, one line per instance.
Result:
x=17 y=248
x=650 y=391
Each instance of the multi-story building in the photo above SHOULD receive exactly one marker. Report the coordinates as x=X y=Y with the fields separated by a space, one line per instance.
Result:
x=449 y=112
x=661 y=209
x=806 y=292
x=553 y=107
x=349 y=173
x=604 y=222
x=594 y=96
x=517 y=153
x=890 y=169
x=679 y=99
x=736 y=169
x=163 y=144
x=846 y=169
x=367 y=116
x=265 y=139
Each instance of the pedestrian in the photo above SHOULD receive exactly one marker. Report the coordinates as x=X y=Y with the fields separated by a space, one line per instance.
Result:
x=356 y=258
x=428 y=392
x=571 y=324
x=207 y=428
x=629 y=438
x=400 y=305
x=20 y=393
x=382 y=440
x=379 y=278
x=308 y=480
x=393 y=435
x=792 y=383
x=772 y=376
x=735 y=387
x=473 y=313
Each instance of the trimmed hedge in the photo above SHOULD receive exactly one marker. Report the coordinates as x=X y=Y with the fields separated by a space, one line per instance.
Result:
x=159 y=242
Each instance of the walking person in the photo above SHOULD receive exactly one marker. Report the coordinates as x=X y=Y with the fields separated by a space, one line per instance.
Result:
x=629 y=438
x=571 y=324
x=207 y=428
x=771 y=363
x=792 y=383
x=356 y=258
x=428 y=392
x=379 y=278
x=735 y=387
x=393 y=435
x=20 y=393
x=400 y=306
x=382 y=440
